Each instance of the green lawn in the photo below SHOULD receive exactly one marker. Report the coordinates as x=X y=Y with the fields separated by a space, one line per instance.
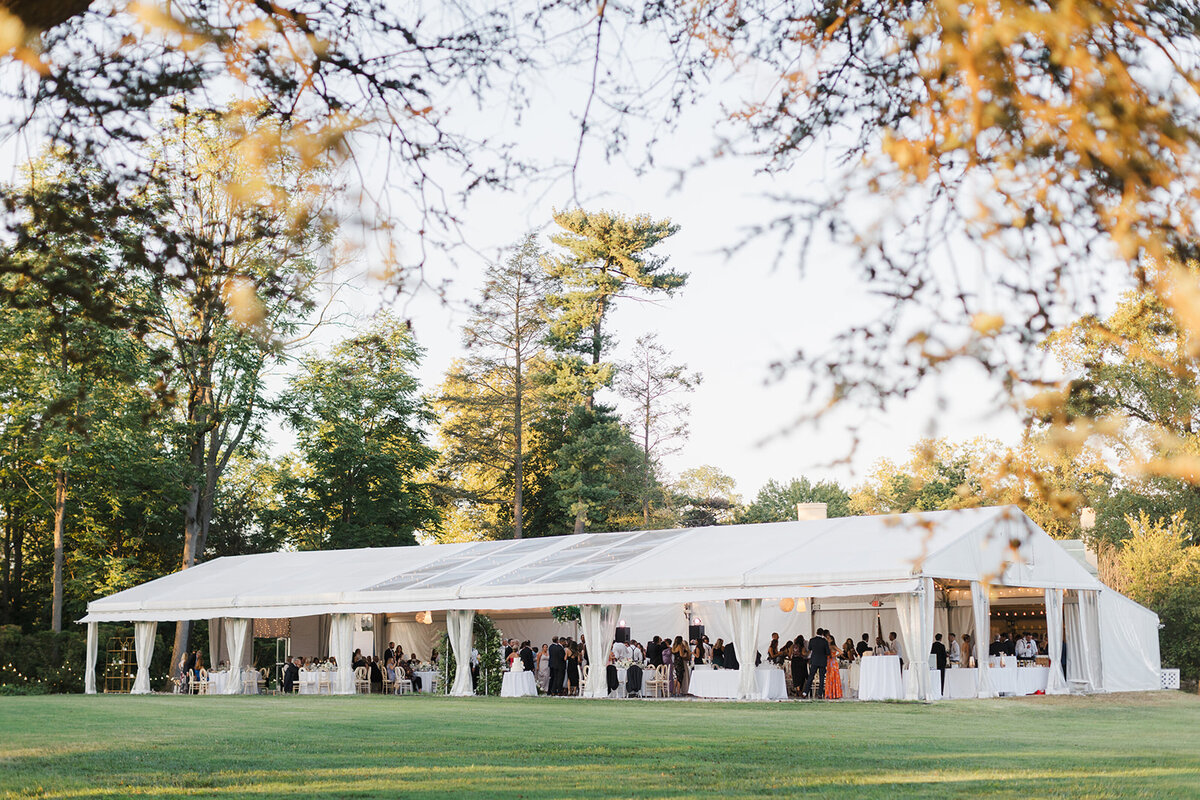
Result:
x=301 y=747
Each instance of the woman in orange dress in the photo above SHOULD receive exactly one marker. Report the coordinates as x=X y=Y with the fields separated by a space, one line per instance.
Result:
x=833 y=679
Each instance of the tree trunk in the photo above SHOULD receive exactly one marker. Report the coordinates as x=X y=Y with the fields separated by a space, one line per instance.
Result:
x=579 y=519
x=518 y=460
x=199 y=408
x=646 y=464
x=60 y=518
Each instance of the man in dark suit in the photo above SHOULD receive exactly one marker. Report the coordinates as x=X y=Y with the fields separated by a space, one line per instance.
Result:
x=390 y=653
x=654 y=651
x=527 y=656
x=818 y=664
x=939 y=650
x=1010 y=647
x=864 y=645
x=291 y=675
x=558 y=666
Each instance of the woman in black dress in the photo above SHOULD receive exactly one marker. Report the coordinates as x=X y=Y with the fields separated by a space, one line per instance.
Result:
x=572 y=667
x=799 y=666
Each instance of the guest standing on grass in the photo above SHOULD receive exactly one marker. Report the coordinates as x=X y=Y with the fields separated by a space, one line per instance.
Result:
x=799 y=665
x=543 y=669
x=291 y=675
x=833 y=676
x=938 y=651
x=818 y=664
x=558 y=666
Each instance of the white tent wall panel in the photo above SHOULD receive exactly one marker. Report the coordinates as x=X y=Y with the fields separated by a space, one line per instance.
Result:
x=1129 y=655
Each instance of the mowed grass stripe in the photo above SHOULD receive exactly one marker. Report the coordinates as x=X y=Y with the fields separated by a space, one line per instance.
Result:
x=1145 y=745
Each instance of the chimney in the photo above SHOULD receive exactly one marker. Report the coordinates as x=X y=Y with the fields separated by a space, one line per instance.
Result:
x=1087 y=518
x=806 y=511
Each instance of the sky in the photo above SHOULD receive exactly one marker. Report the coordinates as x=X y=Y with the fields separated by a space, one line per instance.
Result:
x=737 y=315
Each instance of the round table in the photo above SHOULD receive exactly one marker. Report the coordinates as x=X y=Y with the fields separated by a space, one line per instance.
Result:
x=427 y=679
x=519 y=684
x=879 y=678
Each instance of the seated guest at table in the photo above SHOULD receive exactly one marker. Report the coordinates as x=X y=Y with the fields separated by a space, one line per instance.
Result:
x=848 y=651
x=864 y=645
x=799 y=665
x=818 y=665
x=833 y=677
x=389 y=667
x=357 y=660
x=527 y=657
x=773 y=648
x=731 y=659
x=718 y=653
x=938 y=651
x=405 y=669
x=291 y=674
x=954 y=654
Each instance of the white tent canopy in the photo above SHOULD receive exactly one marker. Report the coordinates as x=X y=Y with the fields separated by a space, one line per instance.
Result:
x=829 y=558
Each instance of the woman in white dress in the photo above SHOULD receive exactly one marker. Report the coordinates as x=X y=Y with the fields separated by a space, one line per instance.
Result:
x=543 y=669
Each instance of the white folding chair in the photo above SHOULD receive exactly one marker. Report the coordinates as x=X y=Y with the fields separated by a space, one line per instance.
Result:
x=362 y=680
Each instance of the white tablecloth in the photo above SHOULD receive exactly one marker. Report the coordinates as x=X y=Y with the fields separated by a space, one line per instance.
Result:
x=723 y=683
x=880 y=679
x=217 y=682
x=1009 y=680
x=519 y=684
x=309 y=678
x=427 y=679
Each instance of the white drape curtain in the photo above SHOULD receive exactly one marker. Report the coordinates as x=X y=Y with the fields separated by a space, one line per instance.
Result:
x=143 y=645
x=744 y=616
x=460 y=629
x=93 y=644
x=1057 y=682
x=1089 y=624
x=915 y=612
x=983 y=633
x=216 y=633
x=237 y=630
x=1076 y=664
x=599 y=627
x=341 y=647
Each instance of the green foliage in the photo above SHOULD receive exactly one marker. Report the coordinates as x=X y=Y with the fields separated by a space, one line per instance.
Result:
x=42 y=661
x=597 y=472
x=776 y=502
x=360 y=424
x=566 y=614
x=1159 y=569
x=605 y=255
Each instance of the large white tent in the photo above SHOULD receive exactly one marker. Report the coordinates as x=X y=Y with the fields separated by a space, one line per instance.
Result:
x=724 y=572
